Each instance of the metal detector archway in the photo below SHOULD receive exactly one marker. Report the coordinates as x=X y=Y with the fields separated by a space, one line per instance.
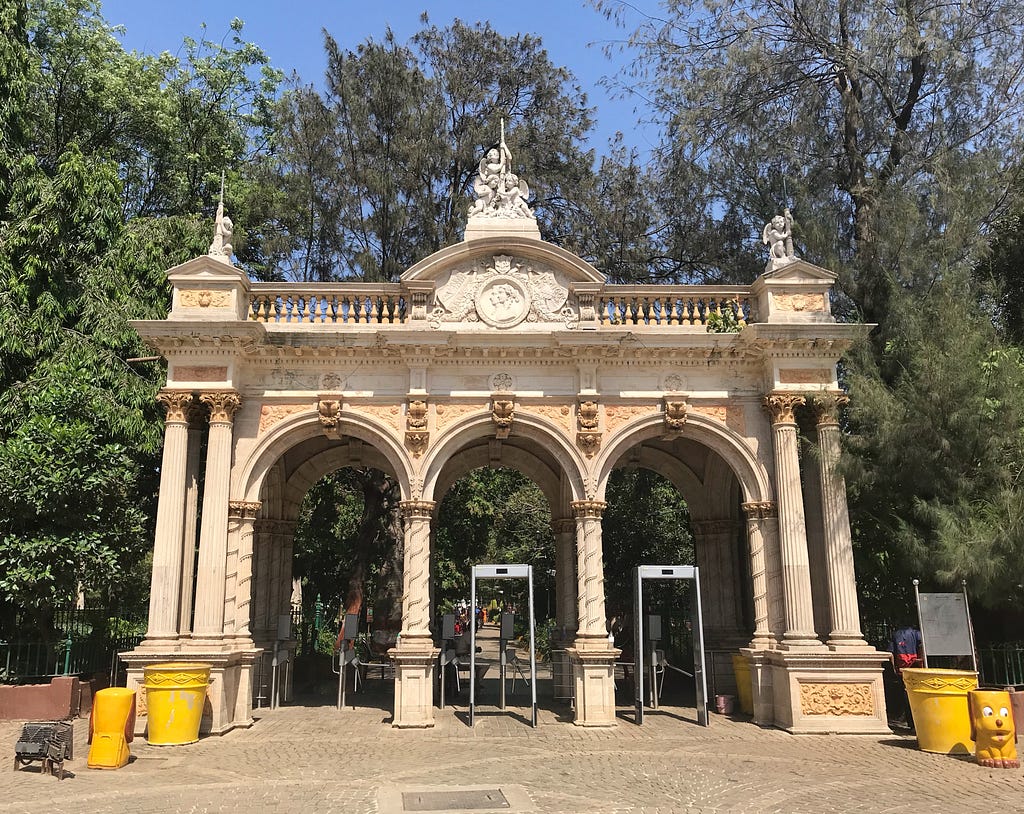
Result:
x=501 y=572
x=639 y=645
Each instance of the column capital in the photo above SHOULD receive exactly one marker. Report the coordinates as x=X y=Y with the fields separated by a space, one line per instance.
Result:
x=177 y=404
x=222 y=404
x=588 y=508
x=417 y=508
x=826 y=407
x=244 y=509
x=759 y=509
x=780 y=406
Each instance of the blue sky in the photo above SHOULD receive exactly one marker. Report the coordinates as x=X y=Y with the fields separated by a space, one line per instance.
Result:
x=290 y=33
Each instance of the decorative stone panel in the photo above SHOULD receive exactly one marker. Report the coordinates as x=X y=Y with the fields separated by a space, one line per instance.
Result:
x=836 y=699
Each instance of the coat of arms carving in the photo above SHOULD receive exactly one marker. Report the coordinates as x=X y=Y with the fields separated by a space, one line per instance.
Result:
x=503 y=294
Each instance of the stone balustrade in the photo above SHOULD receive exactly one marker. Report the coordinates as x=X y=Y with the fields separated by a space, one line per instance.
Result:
x=389 y=304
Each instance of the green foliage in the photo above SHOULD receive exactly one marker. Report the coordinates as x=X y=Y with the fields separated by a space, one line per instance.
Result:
x=647 y=521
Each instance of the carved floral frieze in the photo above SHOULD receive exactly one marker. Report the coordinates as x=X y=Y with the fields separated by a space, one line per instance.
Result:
x=271 y=414
x=201 y=298
x=837 y=699
x=617 y=415
x=556 y=413
x=800 y=302
x=447 y=413
x=200 y=373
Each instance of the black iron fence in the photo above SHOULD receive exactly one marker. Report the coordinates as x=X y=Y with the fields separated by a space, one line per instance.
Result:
x=74 y=641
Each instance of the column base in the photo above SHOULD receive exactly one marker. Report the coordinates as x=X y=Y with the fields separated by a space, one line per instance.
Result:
x=828 y=692
x=414 y=683
x=594 y=678
x=228 y=702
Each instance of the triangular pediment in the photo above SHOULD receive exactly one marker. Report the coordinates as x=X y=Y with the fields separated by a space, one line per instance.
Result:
x=800 y=271
x=205 y=269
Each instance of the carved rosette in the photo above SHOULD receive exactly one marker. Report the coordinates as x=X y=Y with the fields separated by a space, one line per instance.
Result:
x=244 y=509
x=330 y=413
x=759 y=510
x=826 y=407
x=417 y=436
x=675 y=415
x=178 y=404
x=780 y=407
x=502 y=413
x=837 y=699
x=222 y=404
x=588 y=438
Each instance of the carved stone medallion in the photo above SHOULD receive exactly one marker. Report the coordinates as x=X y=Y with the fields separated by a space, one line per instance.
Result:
x=502 y=302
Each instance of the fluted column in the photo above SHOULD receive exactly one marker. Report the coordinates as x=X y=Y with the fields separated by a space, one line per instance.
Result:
x=196 y=427
x=590 y=572
x=842 y=581
x=416 y=576
x=566 y=608
x=243 y=513
x=213 y=536
x=757 y=512
x=165 y=587
x=792 y=528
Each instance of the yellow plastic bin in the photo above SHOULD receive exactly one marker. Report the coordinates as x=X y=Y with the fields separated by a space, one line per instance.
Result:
x=744 y=688
x=111 y=728
x=938 y=701
x=175 y=695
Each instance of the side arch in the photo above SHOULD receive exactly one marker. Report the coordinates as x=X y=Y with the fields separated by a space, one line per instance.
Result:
x=755 y=482
x=293 y=430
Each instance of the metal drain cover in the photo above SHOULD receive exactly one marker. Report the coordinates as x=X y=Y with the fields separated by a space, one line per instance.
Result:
x=454 y=800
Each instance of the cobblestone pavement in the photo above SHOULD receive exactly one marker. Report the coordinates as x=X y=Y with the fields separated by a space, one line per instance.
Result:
x=320 y=759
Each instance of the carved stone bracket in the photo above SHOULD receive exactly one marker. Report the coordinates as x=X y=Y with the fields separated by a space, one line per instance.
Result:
x=502 y=412
x=222 y=404
x=780 y=407
x=178 y=404
x=826 y=407
x=244 y=509
x=759 y=510
x=329 y=410
x=588 y=438
x=675 y=415
x=417 y=436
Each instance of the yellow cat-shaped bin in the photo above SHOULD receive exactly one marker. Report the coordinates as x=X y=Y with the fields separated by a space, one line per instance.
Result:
x=992 y=729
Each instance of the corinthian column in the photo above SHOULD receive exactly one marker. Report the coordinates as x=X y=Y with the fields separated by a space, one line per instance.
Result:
x=842 y=582
x=796 y=574
x=213 y=535
x=416 y=576
x=165 y=587
x=757 y=513
x=590 y=573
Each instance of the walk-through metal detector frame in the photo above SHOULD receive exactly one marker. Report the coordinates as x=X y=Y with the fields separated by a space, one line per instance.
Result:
x=501 y=572
x=699 y=678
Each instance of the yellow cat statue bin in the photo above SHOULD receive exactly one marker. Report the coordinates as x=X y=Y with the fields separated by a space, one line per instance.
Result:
x=992 y=729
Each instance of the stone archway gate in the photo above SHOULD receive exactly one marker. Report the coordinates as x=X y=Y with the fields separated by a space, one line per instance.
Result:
x=505 y=348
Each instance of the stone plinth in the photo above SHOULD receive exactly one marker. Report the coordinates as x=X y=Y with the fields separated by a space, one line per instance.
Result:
x=228 y=698
x=594 y=676
x=414 y=684
x=828 y=692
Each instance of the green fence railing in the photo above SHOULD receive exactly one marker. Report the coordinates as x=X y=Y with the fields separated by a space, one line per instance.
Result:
x=1002 y=665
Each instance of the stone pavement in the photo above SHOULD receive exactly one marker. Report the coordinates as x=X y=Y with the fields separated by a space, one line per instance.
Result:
x=316 y=758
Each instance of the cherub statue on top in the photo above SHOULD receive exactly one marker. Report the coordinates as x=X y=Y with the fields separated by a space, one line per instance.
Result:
x=500 y=193
x=778 y=235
